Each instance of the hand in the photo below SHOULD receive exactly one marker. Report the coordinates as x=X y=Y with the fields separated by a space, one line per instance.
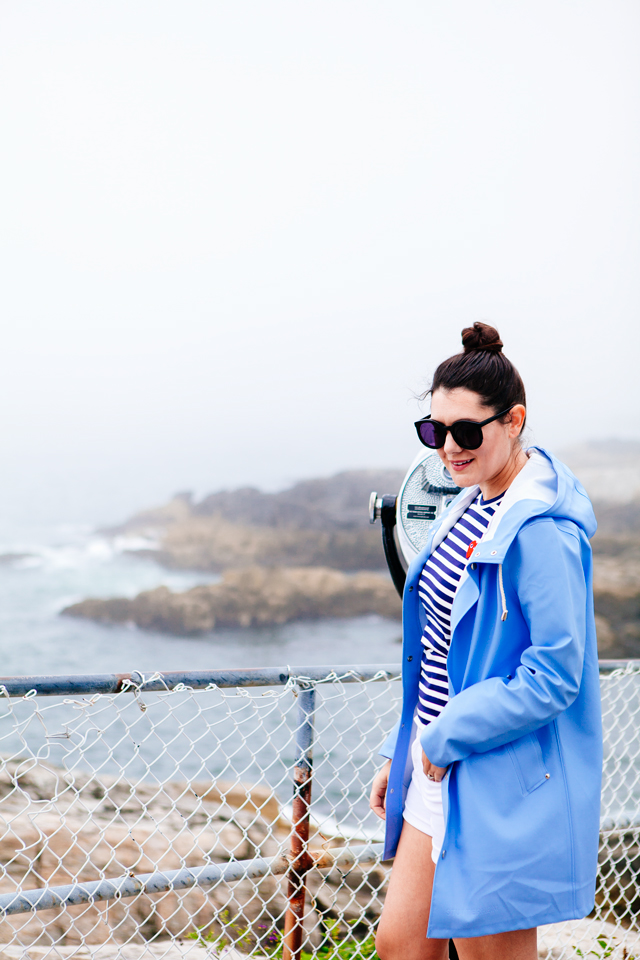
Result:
x=378 y=798
x=432 y=772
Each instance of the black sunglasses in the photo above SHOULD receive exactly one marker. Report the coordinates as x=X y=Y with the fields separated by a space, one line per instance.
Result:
x=466 y=433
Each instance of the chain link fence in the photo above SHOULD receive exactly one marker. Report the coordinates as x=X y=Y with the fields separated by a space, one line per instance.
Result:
x=151 y=816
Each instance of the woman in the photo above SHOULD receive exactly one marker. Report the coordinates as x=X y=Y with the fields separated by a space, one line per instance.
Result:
x=491 y=792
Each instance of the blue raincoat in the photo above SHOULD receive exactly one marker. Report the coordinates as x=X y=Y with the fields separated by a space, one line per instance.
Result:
x=521 y=736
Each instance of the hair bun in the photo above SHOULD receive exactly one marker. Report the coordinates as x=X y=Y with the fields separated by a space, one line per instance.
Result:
x=481 y=337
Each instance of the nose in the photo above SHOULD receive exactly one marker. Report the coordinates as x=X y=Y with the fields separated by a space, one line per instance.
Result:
x=451 y=448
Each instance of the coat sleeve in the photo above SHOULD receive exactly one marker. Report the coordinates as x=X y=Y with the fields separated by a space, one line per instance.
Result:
x=388 y=748
x=545 y=567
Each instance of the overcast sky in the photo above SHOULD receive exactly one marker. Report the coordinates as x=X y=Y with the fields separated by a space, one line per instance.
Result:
x=238 y=236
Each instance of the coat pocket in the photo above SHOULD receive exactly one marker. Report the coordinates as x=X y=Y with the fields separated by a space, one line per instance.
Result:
x=527 y=759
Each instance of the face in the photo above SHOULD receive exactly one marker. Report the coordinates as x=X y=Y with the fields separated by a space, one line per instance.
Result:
x=498 y=449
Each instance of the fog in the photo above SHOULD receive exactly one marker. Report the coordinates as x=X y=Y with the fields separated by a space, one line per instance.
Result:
x=238 y=237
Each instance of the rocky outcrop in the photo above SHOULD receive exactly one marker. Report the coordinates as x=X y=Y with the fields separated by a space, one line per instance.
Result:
x=611 y=473
x=321 y=522
x=260 y=596
x=117 y=951
x=256 y=596
x=616 y=587
x=59 y=827
x=325 y=503
x=214 y=544
x=616 y=580
x=324 y=522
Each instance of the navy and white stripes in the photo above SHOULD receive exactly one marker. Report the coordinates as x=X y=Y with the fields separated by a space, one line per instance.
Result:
x=439 y=581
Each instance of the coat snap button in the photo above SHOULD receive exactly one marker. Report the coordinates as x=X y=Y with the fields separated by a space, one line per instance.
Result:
x=410 y=589
x=473 y=566
x=493 y=553
x=444 y=853
x=409 y=659
x=547 y=775
x=391 y=791
x=477 y=553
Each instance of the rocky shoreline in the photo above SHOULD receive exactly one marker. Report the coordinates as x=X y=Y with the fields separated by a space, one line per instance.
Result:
x=309 y=552
x=251 y=597
x=59 y=826
x=315 y=523
x=265 y=596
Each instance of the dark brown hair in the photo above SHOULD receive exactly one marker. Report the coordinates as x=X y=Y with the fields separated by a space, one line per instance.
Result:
x=483 y=368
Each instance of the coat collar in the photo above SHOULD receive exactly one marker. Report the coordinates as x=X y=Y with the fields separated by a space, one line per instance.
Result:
x=532 y=493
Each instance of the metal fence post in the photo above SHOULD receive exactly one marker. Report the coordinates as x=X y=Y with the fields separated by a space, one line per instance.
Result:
x=300 y=859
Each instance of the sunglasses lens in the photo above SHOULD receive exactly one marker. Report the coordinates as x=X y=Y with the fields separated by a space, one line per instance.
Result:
x=431 y=434
x=467 y=435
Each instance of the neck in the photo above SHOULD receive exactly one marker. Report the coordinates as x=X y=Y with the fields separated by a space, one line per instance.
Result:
x=502 y=481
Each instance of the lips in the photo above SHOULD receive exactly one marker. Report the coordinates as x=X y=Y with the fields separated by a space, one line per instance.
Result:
x=460 y=464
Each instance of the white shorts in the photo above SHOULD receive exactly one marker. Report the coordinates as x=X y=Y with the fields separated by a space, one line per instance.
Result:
x=423 y=806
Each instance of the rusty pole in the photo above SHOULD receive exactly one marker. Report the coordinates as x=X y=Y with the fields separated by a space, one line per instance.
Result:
x=300 y=858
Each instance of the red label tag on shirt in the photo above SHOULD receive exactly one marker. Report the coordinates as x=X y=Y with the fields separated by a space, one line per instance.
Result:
x=471 y=548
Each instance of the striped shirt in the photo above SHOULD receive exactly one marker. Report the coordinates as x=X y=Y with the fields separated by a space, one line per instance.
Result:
x=439 y=581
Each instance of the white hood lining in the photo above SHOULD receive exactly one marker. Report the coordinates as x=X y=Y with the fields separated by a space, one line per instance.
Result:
x=536 y=481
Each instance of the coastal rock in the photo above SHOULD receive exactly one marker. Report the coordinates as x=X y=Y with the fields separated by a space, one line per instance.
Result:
x=116 y=951
x=322 y=522
x=324 y=503
x=261 y=596
x=214 y=544
x=616 y=589
x=59 y=826
x=256 y=596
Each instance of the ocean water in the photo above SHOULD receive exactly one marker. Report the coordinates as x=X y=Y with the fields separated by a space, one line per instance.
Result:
x=57 y=565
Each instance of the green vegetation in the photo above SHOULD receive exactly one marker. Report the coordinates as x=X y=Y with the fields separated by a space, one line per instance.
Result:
x=337 y=944
x=606 y=950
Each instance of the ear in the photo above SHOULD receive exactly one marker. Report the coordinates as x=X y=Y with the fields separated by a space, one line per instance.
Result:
x=518 y=414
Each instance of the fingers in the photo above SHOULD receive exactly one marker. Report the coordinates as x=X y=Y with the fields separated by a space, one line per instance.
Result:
x=377 y=801
x=377 y=805
x=432 y=772
x=378 y=798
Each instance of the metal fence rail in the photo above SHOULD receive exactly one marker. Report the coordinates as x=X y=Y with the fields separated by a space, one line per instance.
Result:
x=196 y=814
x=130 y=886
x=49 y=686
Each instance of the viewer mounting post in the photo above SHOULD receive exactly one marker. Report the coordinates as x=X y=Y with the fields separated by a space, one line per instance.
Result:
x=384 y=508
x=300 y=859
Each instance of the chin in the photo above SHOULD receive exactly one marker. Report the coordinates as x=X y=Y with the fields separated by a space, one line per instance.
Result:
x=464 y=478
